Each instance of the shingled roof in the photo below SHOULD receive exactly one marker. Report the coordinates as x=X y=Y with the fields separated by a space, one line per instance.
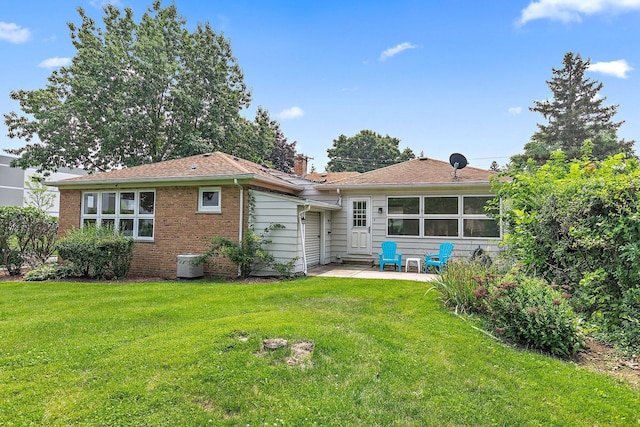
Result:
x=212 y=166
x=329 y=177
x=423 y=171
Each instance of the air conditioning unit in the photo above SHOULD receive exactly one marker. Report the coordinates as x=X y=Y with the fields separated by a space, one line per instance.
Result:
x=188 y=267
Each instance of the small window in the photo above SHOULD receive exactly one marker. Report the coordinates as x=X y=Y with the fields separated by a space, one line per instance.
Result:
x=403 y=227
x=475 y=205
x=209 y=200
x=147 y=202
x=127 y=203
x=403 y=205
x=108 y=204
x=90 y=201
x=445 y=227
x=440 y=205
x=481 y=228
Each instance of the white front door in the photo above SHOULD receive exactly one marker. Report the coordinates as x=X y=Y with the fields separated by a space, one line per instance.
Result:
x=360 y=226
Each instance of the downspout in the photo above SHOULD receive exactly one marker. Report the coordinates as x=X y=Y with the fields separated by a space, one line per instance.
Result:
x=303 y=234
x=339 y=197
x=240 y=225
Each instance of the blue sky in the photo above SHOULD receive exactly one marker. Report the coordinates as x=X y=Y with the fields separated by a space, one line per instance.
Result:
x=443 y=76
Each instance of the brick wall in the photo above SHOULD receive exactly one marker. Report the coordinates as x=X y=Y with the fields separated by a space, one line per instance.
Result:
x=179 y=229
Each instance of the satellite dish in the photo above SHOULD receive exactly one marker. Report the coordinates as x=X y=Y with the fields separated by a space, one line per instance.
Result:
x=458 y=161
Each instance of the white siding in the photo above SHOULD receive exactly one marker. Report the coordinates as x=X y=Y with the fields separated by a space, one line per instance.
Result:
x=408 y=246
x=269 y=209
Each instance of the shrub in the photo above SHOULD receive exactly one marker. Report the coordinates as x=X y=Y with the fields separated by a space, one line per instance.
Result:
x=250 y=255
x=97 y=252
x=50 y=272
x=27 y=235
x=577 y=223
x=530 y=312
x=11 y=260
x=458 y=282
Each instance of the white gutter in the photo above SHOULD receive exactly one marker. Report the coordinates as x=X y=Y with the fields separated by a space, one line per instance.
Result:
x=301 y=227
x=235 y=181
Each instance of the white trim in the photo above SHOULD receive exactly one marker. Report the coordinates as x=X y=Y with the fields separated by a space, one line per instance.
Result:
x=117 y=216
x=209 y=209
x=459 y=217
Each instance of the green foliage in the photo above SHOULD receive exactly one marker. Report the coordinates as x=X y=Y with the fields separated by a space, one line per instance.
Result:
x=249 y=255
x=364 y=152
x=50 y=272
x=12 y=261
x=38 y=194
x=458 y=282
x=577 y=223
x=97 y=252
x=135 y=93
x=575 y=114
x=27 y=235
x=530 y=312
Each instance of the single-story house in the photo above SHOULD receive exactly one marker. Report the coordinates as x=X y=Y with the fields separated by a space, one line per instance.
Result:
x=175 y=207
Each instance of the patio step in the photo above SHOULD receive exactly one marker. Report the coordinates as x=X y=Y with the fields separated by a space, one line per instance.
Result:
x=354 y=260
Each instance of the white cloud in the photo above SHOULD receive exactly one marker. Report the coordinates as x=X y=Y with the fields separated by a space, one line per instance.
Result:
x=54 y=62
x=514 y=111
x=13 y=33
x=291 y=113
x=618 y=68
x=393 y=51
x=573 y=10
x=99 y=4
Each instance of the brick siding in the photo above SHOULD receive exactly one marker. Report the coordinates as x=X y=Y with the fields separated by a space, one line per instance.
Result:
x=179 y=229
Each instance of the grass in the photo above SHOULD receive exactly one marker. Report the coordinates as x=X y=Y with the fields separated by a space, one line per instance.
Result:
x=188 y=353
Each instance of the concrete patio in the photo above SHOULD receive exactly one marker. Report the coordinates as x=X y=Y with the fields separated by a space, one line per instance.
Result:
x=360 y=271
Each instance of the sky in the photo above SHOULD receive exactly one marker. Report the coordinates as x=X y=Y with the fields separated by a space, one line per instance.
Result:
x=442 y=76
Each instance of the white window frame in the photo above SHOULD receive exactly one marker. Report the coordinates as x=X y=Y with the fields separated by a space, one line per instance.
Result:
x=116 y=217
x=209 y=209
x=460 y=217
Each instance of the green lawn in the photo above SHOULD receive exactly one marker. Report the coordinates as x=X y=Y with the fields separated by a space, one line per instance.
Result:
x=188 y=354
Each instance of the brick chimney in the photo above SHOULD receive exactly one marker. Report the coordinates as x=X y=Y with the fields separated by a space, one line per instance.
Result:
x=300 y=165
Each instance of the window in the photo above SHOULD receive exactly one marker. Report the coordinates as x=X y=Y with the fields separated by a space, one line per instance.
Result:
x=403 y=216
x=131 y=212
x=209 y=200
x=440 y=216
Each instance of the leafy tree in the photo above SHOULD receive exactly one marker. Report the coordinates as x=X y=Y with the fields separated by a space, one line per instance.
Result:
x=365 y=151
x=39 y=195
x=575 y=223
x=576 y=113
x=134 y=93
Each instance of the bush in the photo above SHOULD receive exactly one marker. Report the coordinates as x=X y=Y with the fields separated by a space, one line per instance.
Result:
x=12 y=261
x=577 y=223
x=97 y=252
x=50 y=272
x=530 y=312
x=27 y=235
x=458 y=282
x=250 y=255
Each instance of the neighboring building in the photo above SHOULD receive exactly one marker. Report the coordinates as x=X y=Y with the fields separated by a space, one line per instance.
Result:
x=13 y=189
x=175 y=207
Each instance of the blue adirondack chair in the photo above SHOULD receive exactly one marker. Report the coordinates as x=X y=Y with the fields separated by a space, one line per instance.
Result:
x=440 y=259
x=390 y=256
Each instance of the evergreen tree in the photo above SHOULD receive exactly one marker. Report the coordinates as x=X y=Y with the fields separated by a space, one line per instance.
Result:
x=576 y=113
